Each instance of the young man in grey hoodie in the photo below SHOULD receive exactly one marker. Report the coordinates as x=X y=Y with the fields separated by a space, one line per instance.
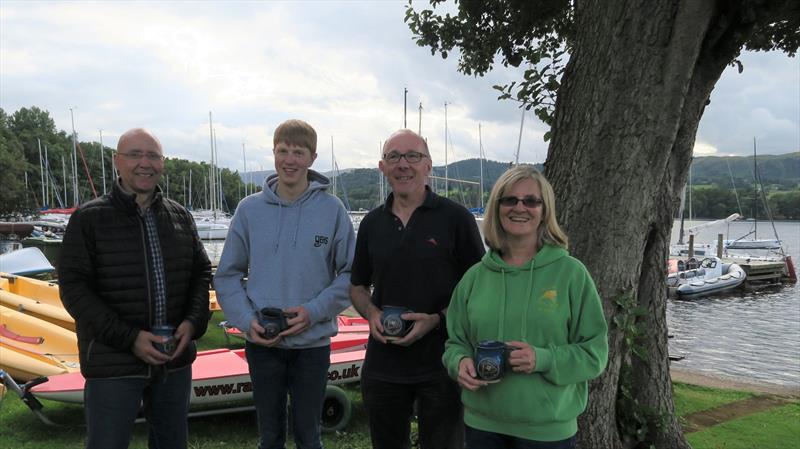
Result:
x=289 y=247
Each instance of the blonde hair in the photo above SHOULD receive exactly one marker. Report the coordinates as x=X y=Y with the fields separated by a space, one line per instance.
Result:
x=549 y=231
x=296 y=133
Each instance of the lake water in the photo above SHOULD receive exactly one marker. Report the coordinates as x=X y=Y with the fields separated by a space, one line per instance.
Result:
x=748 y=336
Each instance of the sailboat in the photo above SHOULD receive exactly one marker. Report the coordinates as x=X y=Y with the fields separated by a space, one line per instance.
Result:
x=754 y=243
x=213 y=223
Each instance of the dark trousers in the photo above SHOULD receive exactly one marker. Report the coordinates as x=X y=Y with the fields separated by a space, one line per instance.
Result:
x=303 y=374
x=390 y=407
x=111 y=406
x=479 y=439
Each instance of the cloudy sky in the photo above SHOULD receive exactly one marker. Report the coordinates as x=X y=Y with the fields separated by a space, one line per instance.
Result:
x=341 y=65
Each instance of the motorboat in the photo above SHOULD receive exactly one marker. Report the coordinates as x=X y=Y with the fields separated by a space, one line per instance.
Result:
x=709 y=277
x=25 y=261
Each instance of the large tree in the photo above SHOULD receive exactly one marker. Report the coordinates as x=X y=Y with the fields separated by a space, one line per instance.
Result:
x=629 y=100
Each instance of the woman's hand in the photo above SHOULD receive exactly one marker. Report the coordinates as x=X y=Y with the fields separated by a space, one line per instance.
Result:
x=467 y=377
x=522 y=358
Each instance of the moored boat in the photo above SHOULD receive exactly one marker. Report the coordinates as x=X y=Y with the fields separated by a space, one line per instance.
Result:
x=710 y=277
x=30 y=347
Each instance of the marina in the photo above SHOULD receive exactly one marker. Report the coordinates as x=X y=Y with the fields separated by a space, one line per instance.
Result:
x=748 y=335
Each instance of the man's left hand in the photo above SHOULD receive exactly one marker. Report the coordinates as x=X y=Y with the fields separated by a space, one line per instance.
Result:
x=183 y=336
x=423 y=323
x=297 y=324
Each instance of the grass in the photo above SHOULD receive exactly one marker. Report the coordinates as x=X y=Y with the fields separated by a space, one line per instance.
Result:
x=772 y=429
x=19 y=429
x=692 y=398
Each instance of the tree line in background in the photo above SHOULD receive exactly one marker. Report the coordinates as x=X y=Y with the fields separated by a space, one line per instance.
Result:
x=713 y=195
x=31 y=147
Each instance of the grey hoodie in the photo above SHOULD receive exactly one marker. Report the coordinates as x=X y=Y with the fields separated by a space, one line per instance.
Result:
x=293 y=254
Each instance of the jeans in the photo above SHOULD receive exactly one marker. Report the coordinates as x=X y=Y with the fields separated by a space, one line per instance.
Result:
x=479 y=439
x=390 y=406
x=303 y=374
x=111 y=406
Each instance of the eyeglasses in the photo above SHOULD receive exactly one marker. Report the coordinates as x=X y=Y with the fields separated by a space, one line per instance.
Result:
x=412 y=157
x=531 y=202
x=138 y=155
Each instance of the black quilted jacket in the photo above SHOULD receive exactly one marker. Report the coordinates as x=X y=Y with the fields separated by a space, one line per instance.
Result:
x=105 y=282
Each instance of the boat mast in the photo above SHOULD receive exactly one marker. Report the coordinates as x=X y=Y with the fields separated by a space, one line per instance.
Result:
x=102 y=162
x=41 y=171
x=480 y=155
x=755 y=192
x=244 y=158
x=405 y=107
x=333 y=169
x=211 y=168
x=420 y=119
x=47 y=178
x=75 y=196
x=446 y=192
x=519 y=140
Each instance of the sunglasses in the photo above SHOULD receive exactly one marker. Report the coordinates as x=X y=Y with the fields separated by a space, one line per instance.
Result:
x=531 y=202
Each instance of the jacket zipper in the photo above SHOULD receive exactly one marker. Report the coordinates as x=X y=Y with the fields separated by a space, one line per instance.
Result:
x=147 y=276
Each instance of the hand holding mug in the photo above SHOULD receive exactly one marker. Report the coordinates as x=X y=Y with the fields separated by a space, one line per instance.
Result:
x=522 y=358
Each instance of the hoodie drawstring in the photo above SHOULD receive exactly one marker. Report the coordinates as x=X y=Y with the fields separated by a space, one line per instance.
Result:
x=297 y=225
x=278 y=224
x=503 y=306
x=528 y=299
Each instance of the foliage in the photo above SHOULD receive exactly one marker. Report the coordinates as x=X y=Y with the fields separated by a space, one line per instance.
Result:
x=535 y=33
x=636 y=421
x=12 y=160
x=20 y=137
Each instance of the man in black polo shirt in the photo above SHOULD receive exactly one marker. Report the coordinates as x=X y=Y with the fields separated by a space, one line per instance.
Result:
x=412 y=251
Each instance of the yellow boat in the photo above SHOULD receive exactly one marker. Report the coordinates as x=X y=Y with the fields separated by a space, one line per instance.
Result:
x=45 y=293
x=36 y=298
x=30 y=347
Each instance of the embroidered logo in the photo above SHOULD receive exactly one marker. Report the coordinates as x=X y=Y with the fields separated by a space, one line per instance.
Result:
x=433 y=241
x=320 y=240
x=548 y=300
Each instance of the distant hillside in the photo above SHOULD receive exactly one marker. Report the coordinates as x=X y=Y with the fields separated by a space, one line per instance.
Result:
x=360 y=188
x=782 y=170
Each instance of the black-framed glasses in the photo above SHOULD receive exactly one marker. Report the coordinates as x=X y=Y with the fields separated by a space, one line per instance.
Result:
x=412 y=157
x=531 y=202
x=139 y=155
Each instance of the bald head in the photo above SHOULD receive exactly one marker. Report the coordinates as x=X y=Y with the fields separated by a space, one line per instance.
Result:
x=404 y=140
x=137 y=137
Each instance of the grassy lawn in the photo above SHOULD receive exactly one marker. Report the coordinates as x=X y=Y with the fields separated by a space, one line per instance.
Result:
x=772 y=429
x=19 y=429
x=692 y=398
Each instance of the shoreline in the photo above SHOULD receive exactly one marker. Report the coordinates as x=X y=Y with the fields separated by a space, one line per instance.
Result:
x=705 y=380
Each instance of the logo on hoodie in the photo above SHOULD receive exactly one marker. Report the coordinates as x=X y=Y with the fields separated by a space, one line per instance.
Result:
x=320 y=240
x=548 y=300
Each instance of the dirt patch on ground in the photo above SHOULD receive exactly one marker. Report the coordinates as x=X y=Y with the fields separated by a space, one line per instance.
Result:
x=712 y=417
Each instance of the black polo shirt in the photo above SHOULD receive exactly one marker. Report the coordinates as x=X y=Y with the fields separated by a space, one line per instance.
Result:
x=416 y=266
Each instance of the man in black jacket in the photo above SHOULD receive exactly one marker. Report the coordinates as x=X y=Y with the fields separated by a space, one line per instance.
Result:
x=131 y=267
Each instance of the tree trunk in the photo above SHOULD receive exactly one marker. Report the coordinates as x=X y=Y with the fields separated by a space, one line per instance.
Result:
x=628 y=109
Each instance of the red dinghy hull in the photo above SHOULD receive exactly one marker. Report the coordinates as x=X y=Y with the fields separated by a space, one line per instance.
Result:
x=218 y=376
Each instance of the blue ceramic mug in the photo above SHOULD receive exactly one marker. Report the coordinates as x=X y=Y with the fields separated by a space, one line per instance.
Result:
x=490 y=360
x=167 y=346
x=273 y=320
x=394 y=326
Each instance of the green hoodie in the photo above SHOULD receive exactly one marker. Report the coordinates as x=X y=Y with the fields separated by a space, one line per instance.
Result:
x=550 y=303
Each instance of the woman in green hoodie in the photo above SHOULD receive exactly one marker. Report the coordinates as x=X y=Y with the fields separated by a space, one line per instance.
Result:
x=528 y=292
